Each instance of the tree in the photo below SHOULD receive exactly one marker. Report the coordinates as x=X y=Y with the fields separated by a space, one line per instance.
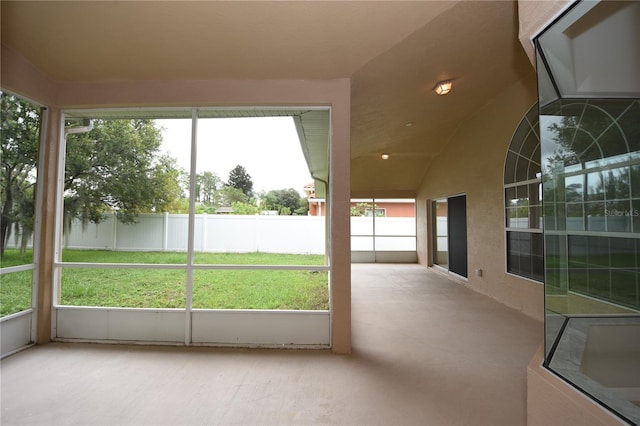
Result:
x=285 y=201
x=20 y=135
x=360 y=209
x=303 y=210
x=207 y=184
x=240 y=208
x=116 y=168
x=227 y=195
x=240 y=179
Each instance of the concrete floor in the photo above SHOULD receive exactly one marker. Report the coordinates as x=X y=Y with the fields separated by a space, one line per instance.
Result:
x=427 y=351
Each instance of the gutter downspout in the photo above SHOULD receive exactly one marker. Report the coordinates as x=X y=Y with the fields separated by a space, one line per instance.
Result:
x=86 y=127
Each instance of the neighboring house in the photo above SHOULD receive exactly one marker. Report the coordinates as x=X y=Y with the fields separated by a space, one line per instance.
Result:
x=388 y=207
x=224 y=210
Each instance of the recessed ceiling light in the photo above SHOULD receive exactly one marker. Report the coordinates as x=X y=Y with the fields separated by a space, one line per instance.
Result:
x=385 y=156
x=409 y=124
x=443 y=87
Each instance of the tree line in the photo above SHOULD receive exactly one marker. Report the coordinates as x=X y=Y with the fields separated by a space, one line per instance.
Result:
x=116 y=167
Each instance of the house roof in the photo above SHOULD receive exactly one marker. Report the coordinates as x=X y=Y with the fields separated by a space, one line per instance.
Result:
x=392 y=51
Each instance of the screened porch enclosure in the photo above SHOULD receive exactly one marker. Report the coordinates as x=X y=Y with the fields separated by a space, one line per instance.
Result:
x=192 y=320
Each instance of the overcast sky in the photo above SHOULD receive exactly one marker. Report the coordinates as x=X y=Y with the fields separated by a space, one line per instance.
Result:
x=267 y=147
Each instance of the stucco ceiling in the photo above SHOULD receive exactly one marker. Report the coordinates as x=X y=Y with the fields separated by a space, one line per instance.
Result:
x=393 y=51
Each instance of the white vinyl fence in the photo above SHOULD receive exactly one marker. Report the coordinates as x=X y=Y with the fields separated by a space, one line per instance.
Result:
x=213 y=233
x=239 y=234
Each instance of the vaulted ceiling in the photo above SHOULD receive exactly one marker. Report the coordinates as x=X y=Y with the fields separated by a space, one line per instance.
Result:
x=393 y=51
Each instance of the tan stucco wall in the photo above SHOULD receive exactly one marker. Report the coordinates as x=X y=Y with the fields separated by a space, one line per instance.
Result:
x=533 y=17
x=472 y=163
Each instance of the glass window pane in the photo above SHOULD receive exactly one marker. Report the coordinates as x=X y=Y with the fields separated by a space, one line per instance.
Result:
x=535 y=194
x=361 y=243
x=512 y=217
x=618 y=216
x=573 y=188
x=635 y=181
x=535 y=217
x=612 y=142
x=595 y=186
x=510 y=168
x=15 y=292
x=126 y=288
x=629 y=123
x=125 y=190
x=510 y=196
x=273 y=289
x=595 y=216
x=592 y=156
x=530 y=144
x=524 y=255
x=20 y=135
x=624 y=287
x=395 y=243
x=617 y=183
x=522 y=169
x=623 y=253
x=440 y=241
x=395 y=226
x=242 y=205
x=599 y=252
x=519 y=137
x=575 y=217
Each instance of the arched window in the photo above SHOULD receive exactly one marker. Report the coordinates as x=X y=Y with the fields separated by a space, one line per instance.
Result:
x=523 y=200
x=591 y=167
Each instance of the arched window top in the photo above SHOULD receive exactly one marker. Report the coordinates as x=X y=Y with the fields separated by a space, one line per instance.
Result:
x=588 y=134
x=523 y=157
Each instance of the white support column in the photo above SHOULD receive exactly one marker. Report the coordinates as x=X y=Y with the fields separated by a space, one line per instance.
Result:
x=37 y=225
x=51 y=175
x=192 y=223
x=338 y=203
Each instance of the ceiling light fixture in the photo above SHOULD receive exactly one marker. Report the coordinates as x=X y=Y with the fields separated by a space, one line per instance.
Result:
x=385 y=156
x=443 y=87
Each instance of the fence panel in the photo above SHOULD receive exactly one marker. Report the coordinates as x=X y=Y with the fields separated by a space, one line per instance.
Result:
x=95 y=236
x=230 y=234
x=176 y=232
x=213 y=233
x=240 y=234
x=145 y=235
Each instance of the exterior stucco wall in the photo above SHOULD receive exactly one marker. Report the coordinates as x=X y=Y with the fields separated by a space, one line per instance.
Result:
x=472 y=163
x=533 y=17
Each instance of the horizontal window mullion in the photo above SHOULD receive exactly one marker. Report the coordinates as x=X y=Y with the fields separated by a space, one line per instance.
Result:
x=384 y=236
x=261 y=267
x=121 y=265
x=522 y=183
x=80 y=265
x=529 y=230
x=18 y=268
x=563 y=232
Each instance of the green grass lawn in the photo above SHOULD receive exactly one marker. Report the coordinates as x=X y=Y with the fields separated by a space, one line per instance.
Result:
x=152 y=288
x=15 y=288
